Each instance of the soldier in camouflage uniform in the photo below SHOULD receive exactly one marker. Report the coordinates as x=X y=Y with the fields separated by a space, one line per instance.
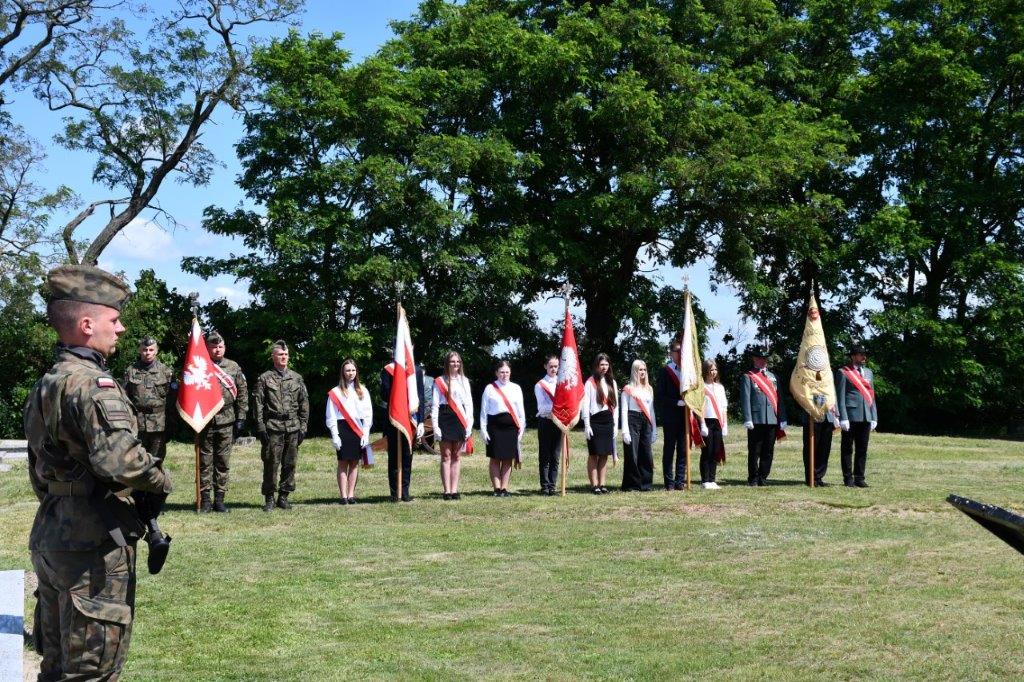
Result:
x=216 y=439
x=85 y=459
x=280 y=406
x=152 y=389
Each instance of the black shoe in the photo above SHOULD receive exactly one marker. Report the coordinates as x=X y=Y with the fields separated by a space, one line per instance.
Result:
x=351 y=500
x=505 y=493
x=282 y=501
x=344 y=500
x=761 y=483
x=861 y=484
x=821 y=484
x=446 y=496
x=849 y=484
x=204 y=503
x=497 y=492
x=407 y=498
x=680 y=486
x=268 y=503
x=218 y=503
x=456 y=496
x=595 y=490
x=752 y=483
x=394 y=498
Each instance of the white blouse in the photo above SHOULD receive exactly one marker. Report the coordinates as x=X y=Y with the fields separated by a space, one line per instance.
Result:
x=360 y=409
x=544 y=403
x=629 y=403
x=491 y=404
x=723 y=405
x=460 y=393
x=591 y=406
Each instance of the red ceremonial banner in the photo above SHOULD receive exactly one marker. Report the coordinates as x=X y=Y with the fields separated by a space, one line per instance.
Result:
x=404 y=399
x=565 y=407
x=199 y=397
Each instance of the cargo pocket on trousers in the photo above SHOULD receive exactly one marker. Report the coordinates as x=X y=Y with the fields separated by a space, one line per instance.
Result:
x=98 y=628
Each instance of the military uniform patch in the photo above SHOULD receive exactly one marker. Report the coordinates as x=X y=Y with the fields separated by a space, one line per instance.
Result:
x=106 y=382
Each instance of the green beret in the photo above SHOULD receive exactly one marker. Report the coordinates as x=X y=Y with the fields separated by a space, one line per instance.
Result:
x=86 y=284
x=214 y=338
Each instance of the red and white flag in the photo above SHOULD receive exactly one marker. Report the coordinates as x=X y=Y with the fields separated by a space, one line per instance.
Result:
x=199 y=396
x=565 y=407
x=405 y=398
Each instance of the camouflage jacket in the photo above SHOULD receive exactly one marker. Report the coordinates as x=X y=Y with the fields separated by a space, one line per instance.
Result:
x=280 y=403
x=81 y=428
x=153 y=391
x=235 y=406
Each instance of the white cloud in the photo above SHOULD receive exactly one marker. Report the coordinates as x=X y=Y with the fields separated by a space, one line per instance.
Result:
x=235 y=297
x=144 y=240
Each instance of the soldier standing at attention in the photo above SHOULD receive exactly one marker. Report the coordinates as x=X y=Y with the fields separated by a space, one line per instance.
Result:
x=764 y=415
x=858 y=415
x=85 y=459
x=216 y=440
x=151 y=388
x=280 y=406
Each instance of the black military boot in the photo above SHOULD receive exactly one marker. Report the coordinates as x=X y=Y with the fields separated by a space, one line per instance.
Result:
x=204 y=502
x=268 y=503
x=218 y=503
x=282 y=501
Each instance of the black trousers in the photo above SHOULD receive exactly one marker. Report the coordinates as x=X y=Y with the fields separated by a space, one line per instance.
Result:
x=550 y=438
x=709 y=453
x=396 y=442
x=856 y=439
x=760 y=451
x=637 y=459
x=673 y=450
x=822 y=448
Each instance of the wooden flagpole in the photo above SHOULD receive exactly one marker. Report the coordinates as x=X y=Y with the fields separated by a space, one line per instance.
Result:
x=565 y=459
x=197 y=472
x=686 y=443
x=811 y=425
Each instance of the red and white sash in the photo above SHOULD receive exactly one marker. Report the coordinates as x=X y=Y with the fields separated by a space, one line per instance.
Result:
x=443 y=388
x=550 y=390
x=862 y=386
x=225 y=379
x=767 y=388
x=508 y=405
x=673 y=376
x=639 y=403
x=336 y=397
x=714 y=403
x=593 y=383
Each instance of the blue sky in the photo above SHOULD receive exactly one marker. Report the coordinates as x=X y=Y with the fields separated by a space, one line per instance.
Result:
x=144 y=245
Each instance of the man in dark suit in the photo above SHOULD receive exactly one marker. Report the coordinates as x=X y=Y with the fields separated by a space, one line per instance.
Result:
x=764 y=415
x=858 y=415
x=670 y=404
x=396 y=440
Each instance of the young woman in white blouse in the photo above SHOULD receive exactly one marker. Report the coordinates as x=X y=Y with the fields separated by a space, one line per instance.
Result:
x=714 y=426
x=502 y=423
x=349 y=418
x=451 y=413
x=639 y=429
x=600 y=421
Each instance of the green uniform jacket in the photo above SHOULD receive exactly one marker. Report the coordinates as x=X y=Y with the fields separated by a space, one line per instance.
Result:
x=852 y=405
x=153 y=391
x=80 y=427
x=235 y=406
x=280 y=403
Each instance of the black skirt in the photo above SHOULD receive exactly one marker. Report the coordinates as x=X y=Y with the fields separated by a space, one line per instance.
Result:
x=504 y=436
x=350 y=450
x=603 y=441
x=451 y=428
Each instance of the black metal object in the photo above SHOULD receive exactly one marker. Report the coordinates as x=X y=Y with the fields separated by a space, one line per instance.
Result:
x=1004 y=524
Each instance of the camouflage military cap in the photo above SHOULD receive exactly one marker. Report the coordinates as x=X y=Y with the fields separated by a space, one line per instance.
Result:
x=86 y=284
x=214 y=338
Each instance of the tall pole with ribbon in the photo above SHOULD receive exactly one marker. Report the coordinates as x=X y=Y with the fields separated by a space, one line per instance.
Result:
x=691 y=379
x=565 y=405
x=404 y=398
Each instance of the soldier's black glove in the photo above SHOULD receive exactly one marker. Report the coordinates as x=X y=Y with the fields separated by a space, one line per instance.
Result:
x=262 y=435
x=302 y=437
x=239 y=425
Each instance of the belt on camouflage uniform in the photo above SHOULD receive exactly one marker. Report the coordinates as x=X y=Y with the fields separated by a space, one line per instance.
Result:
x=280 y=415
x=70 y=488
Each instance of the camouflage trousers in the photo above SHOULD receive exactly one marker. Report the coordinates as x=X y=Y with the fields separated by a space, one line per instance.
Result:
x=280 y=452
x=214 y=457
x=84 y=608
x=155 y=443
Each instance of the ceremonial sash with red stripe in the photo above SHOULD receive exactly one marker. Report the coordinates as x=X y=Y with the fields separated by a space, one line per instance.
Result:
x=766 y=387
x=443 y=388
x=862 y=387
x=549 y=390
x=225 y=379
x=639 y=403
x=673 y=376
x=357 y=428
x=594 y=384
x=720 y=455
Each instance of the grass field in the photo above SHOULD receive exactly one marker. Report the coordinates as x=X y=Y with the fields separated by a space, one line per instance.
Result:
x=782 y=582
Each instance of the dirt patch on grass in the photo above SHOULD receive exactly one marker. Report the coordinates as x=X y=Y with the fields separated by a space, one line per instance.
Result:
x=695 y=510
x=868 y=511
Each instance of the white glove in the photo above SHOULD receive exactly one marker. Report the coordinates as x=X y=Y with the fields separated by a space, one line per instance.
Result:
x=845 y=425
x=782 y=425
x=874 y=425
x=364 y=441
x=654 y=436
x=437 y=434
x=749 y=425
x=590 y=432
x=626 y=438
x=336 y=442
x=521 y=434
x=704 y=429
x=487 y=437
x=419 y=430
x=469 y=434
x=725 y=430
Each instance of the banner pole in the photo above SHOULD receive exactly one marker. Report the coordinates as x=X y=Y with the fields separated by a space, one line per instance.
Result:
x=811 y=426
x=197 y=472
x=565 y=459
x=686 y=443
